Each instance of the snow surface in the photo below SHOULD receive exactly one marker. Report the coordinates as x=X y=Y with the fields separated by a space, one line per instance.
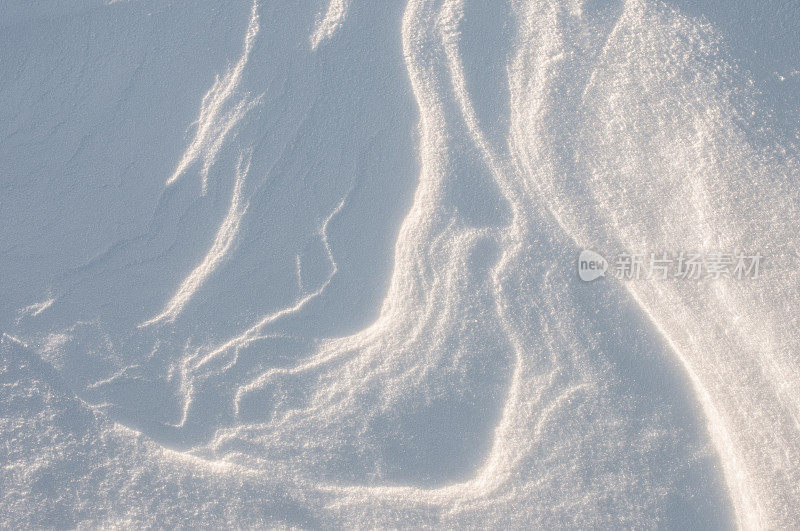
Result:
x=313 y=264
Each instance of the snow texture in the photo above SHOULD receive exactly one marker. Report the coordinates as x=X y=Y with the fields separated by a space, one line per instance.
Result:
x=313 y=264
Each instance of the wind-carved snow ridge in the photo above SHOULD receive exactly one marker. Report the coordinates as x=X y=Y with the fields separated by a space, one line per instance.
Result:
x=660 y=172
x=34 y=309
x=431 y=296
x=248 y=335
x=217 y=115
x=226 y=235
x=228 y=350
x=298 y=269
x=330 y=23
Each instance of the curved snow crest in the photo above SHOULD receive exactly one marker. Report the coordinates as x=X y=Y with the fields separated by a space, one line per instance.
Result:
x=434 y=293
x=330 y=23
x=732 y=339
x=222 y=242
x=214 y=122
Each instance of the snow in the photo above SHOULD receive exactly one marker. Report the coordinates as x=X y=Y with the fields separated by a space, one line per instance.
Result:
x=314 y=265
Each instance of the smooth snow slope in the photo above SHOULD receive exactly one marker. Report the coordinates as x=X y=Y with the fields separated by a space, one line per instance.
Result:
x=315 y=266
